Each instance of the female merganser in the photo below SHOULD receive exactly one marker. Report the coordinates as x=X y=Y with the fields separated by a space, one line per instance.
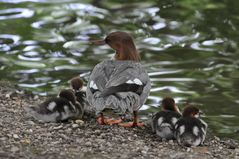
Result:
x=163 y=122
x=118 y=86
x=189 y=129
x=57 y=109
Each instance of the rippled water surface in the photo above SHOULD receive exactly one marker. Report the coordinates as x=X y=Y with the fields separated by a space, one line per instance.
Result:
x=189 y=47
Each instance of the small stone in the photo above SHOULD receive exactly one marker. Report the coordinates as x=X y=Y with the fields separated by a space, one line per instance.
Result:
x=80 y=122
x=171 y=141
x=14 y=149
x=88 y=143
x=57 y=128
x=75 y=125
x=36 y=97
x=216 y=138
x=15 y=136
x=8 y=95
x=30 y=122
x=25 y=141
x=3 y=138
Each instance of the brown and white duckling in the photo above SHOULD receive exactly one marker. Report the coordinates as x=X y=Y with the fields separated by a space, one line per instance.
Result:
x=77 y=85
x=163 y=122
x=57 y=109
x=189 y=129
x=118 y=86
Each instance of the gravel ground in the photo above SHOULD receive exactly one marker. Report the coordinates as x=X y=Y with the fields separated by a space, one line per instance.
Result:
x=23 y=137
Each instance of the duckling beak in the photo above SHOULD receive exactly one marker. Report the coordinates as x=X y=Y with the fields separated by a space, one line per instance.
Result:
x=97 y=42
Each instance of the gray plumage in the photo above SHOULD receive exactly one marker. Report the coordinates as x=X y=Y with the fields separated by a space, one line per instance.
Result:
x=163 y=123
x=190 y=131
x=113 y=85
x=57 y=109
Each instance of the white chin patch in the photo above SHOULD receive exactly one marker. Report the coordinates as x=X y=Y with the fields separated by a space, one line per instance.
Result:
x=196 y=115
x=51 y=106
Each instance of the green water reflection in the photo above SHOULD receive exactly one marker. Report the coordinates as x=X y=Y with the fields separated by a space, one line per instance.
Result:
x=189 y=47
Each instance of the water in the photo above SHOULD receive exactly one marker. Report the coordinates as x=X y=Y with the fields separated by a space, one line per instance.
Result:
x=190 y=49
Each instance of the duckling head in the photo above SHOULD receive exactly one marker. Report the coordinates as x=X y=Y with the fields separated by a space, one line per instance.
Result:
x=191 y=111
x=123 y=44
x=68 y=94
x=76 y=83
x=168 y=103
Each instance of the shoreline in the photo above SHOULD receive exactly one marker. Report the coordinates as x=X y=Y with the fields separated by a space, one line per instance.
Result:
x=23 y=137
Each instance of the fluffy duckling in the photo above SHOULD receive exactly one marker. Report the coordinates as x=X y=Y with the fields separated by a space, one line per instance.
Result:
x=57 y=109
x=77 y=85
x=163 y=122
x=189 y=129
x=119 y=86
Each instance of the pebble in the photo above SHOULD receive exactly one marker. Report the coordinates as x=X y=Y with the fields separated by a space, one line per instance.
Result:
x=58 y=127
x=80 y=122
x=90 y=141
x=14 y=149
x=30 y=122
x=75 y=125
x=15 y=136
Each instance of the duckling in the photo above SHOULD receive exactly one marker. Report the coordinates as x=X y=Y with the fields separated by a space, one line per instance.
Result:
x=57 y=109
x=189 y=129
x=163 y=122
x=119 y=86
x=77 y=85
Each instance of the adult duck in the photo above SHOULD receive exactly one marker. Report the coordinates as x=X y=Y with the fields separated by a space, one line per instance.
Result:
x=163 y=122
x=190 y=130
x=118 y=86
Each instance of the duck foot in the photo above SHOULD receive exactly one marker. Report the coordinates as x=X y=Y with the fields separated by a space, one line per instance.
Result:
x=105 y=121
x=132 y=124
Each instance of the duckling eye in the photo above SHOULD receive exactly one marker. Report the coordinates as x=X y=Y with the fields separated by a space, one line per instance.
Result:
x=107 y=40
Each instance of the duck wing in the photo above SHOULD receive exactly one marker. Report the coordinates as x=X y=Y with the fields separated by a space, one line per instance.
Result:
x=116 y=80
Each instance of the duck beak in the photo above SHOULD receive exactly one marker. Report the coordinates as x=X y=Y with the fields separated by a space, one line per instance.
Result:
x=97 y=42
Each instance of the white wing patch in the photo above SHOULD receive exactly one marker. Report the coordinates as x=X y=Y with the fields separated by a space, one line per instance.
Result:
x=195 y=130
x=181 y=129
x=93 y=85
x=130 y=82
x=160 y=120
x=174 y=120
x=135 y=81
x=51 y=106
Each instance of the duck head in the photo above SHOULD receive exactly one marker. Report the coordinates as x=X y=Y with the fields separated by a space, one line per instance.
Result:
x=123 y=45
x=76 y=83
x=191 y=111
x=168 y=103
x=68 y=94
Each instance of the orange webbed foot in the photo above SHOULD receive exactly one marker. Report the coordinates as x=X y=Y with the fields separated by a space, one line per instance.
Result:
x=105 y=121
